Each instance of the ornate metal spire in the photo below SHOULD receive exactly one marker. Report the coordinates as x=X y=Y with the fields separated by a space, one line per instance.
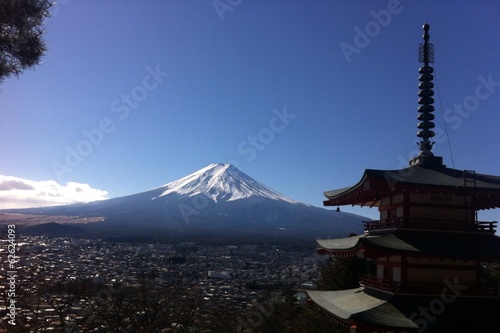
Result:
x=426 y=55
x=426 y=108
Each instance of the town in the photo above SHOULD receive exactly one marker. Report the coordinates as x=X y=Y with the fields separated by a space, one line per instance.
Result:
x=234 y=277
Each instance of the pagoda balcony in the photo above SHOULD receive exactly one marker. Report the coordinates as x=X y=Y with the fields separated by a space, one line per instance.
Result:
x=374 y=282
x=393 y=287
x=431 y=224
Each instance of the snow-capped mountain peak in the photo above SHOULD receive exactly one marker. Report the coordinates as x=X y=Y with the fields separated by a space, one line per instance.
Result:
x=222 y=182
x=239 y=207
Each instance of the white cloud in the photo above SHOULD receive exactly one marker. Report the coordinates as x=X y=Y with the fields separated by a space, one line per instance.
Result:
x=23 y=193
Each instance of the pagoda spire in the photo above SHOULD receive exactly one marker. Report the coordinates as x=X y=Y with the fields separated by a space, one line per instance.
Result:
x=426 y=55
x=426 y=101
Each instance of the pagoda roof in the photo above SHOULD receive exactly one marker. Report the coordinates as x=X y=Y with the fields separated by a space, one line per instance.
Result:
x=376 y=184
x=356 y=304
x=428 y=243
x=378 y=309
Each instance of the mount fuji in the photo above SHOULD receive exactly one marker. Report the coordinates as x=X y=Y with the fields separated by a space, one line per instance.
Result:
x=222 y=182
x=218 y=200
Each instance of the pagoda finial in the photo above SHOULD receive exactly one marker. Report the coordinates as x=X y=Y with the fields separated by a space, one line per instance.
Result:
x=426 y=49
x=425 y=101
x=426 y=55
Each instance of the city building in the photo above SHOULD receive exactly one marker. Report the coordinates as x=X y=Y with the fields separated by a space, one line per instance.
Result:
x=428 y=249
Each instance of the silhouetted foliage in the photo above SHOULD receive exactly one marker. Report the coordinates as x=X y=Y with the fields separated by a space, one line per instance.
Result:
x=21 y=30
x=342 y=273
x=84 y=306
x=289 y=316
x=490 y=276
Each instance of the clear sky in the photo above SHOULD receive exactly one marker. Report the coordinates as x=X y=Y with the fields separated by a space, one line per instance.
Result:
x=300 y=95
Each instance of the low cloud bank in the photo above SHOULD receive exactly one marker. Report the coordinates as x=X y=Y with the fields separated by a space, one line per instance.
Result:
x=23 y=193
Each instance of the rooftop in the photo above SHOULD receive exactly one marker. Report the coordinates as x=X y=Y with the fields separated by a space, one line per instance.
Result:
x=454 y=245
x=403 y=311
x=418 y=179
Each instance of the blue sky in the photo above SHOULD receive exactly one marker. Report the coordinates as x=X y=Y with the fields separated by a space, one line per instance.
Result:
x=301 y=95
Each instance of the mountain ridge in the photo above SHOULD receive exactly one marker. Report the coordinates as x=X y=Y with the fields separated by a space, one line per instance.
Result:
x=218 y=199
x=222 y=178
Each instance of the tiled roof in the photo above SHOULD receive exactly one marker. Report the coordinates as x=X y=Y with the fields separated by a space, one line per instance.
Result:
x=418 y=178
x=426 y=242
x=348 y=243
x=388 y=311
x=435 y=176
x=358 y=304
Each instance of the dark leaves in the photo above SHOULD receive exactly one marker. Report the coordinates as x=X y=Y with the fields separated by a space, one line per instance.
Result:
x=21 y=30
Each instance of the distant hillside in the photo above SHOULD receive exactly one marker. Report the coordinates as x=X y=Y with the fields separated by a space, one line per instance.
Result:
x=53 y=229
x=218 y=200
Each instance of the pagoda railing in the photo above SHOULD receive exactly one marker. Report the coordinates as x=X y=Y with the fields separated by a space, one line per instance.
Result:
x=489 y=291
x=423 y=288
x=432 y=224
x=378 y=283
x=382 y=224
x=438 y=288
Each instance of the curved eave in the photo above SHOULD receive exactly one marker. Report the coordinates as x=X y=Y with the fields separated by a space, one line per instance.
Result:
x=352 y=246
x=356 y=305
x=359 y=194
x=344 y=303
x=348 y=246
x=423 y=243
x=375 y=184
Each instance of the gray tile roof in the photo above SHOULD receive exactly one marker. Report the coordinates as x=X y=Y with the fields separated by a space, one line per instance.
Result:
x=393 y=311
x=430 y=243
x=418 y=178
x=439 y=176
x=358 y=304
x=347 y=243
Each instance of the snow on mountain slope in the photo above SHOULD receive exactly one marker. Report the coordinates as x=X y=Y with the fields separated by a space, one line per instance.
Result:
x=222 y=182
x=217 y=200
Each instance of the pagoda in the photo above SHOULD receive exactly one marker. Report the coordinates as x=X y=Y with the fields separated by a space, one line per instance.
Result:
x=428 y=250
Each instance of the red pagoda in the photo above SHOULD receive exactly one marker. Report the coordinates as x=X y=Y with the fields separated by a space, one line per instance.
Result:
x=428 y=248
